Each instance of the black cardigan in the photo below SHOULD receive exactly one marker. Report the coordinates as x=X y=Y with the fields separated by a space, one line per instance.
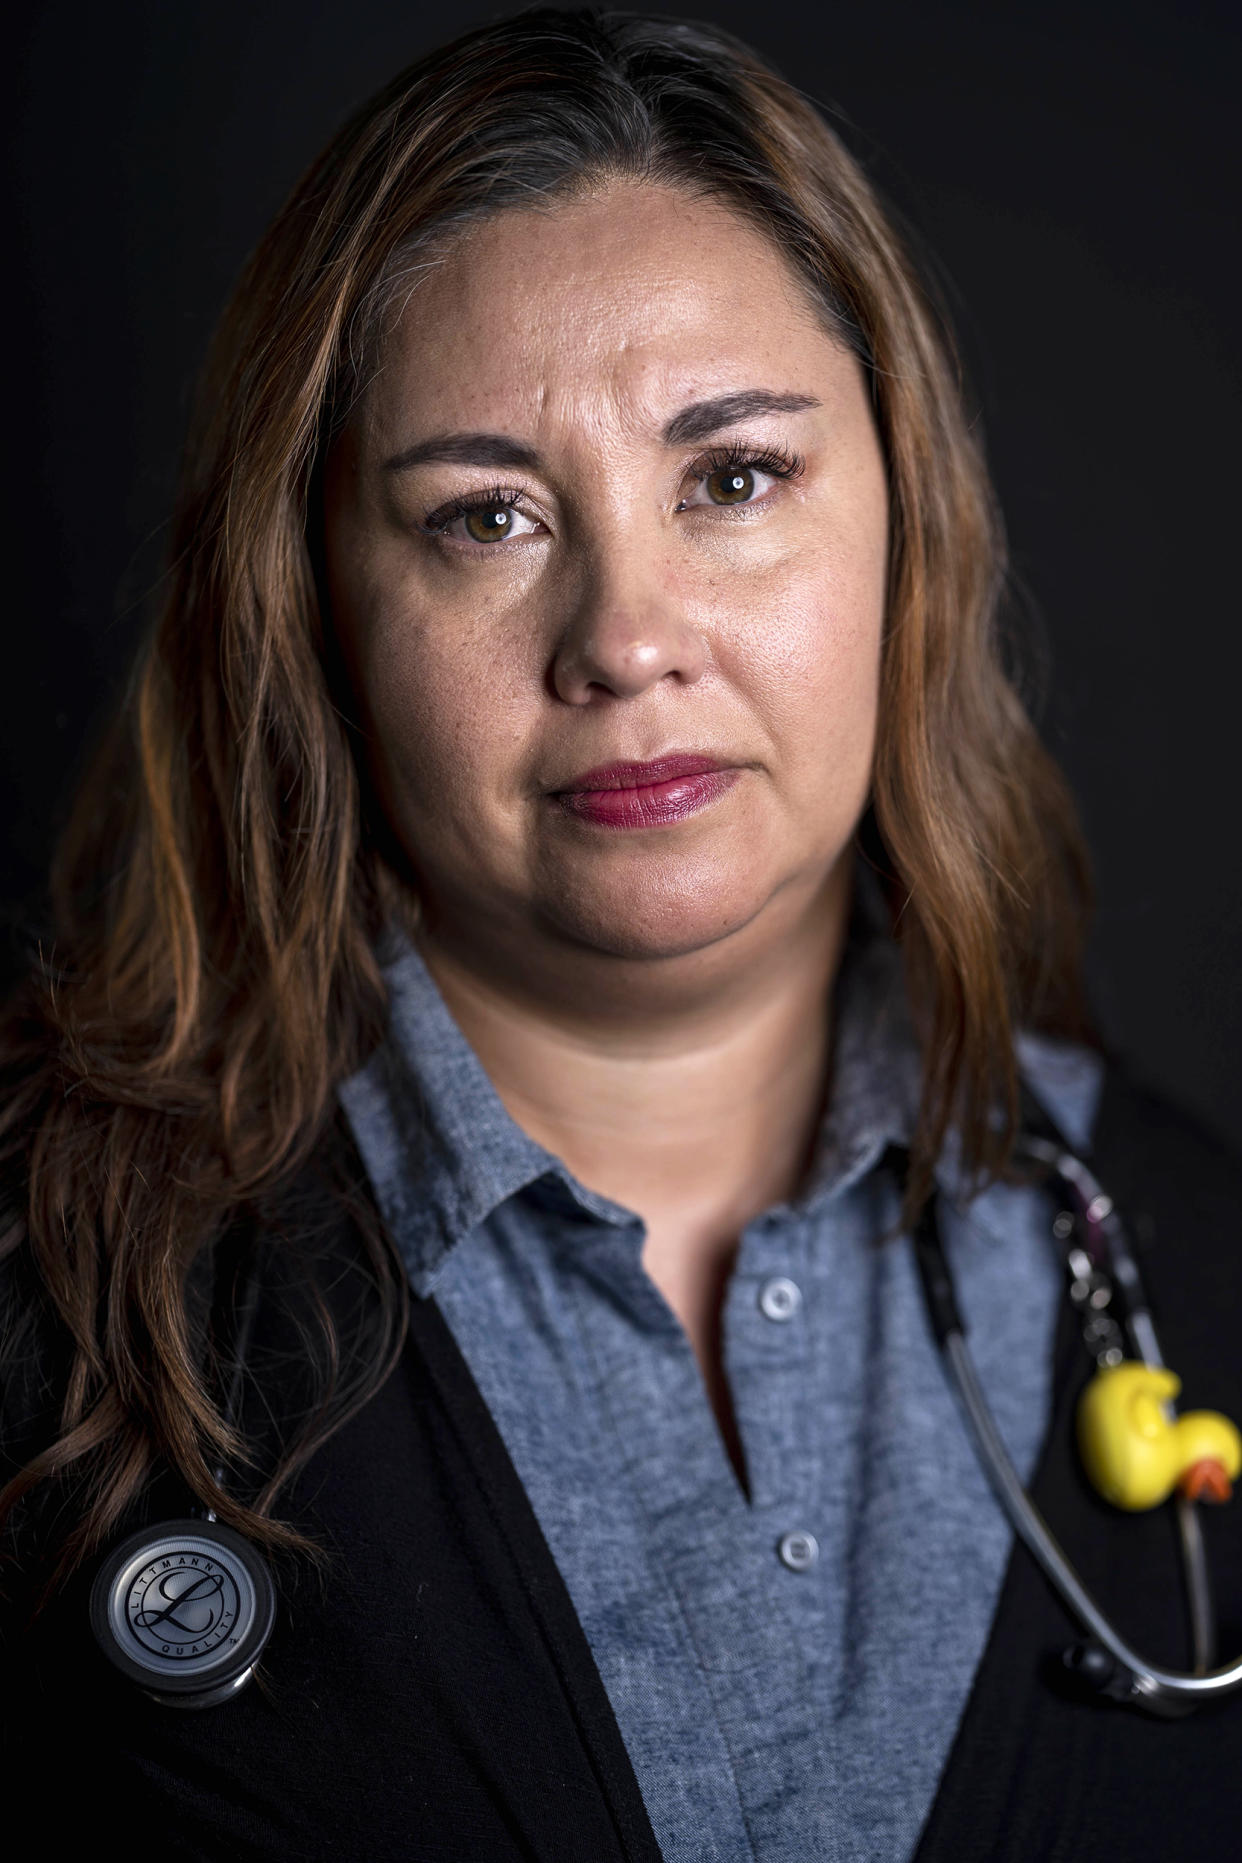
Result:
x=433 y=1696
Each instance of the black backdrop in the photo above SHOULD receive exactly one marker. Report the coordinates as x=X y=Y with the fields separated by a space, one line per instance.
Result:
x=1074 y=171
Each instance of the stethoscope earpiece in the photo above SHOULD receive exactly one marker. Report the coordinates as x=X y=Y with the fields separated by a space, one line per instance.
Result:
x=184 y=1609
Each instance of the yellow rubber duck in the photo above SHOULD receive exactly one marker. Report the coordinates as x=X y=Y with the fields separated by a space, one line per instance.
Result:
x=1135 y=1453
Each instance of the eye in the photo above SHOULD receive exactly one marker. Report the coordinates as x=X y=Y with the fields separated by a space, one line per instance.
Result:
x=481 y=518
x=732 y=476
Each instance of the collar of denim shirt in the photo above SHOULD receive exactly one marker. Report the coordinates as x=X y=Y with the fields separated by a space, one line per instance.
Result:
x=442 y=1152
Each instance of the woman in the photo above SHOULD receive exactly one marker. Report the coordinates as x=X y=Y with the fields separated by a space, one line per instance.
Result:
x=572 y=889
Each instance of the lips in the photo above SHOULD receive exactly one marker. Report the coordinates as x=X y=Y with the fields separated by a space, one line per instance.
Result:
x=644 y=775
x=647 y=795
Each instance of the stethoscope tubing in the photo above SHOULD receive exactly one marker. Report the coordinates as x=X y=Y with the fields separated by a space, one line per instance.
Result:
x=1133 y=1679
x=1109 y=1663
x=1158 y=1689
x=1100 y=1209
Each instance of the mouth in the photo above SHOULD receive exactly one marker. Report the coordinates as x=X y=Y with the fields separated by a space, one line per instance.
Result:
x=647 y=795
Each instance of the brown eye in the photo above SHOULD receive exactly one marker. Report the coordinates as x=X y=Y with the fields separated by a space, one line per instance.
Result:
x=740 y=479
x=730 y=485
x=489 y=526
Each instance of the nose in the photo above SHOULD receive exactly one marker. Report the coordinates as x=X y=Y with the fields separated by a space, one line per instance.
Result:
x=626 y=633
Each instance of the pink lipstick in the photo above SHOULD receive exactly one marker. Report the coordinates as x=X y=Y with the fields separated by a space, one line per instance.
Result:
x=647 y=795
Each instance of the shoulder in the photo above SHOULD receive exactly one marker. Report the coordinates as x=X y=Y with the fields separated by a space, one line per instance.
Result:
x=1135 y=1115
x=1178 y=1185
x=1147 y=1138
x=1160 y=1153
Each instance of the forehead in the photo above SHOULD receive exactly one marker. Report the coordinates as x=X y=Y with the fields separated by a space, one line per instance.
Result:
x=608 y=309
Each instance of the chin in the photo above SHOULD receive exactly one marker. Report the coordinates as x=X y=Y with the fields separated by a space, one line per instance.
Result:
x=655 y=922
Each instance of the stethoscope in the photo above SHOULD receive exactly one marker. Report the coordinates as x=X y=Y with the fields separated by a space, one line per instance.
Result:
x=1124 y=1419
x=185 y=1609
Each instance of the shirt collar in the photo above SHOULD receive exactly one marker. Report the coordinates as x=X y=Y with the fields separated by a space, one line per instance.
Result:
x=439 y=1147
x=442 y=1152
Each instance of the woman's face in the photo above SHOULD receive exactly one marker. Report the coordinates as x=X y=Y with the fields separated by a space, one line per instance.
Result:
x=676 y=550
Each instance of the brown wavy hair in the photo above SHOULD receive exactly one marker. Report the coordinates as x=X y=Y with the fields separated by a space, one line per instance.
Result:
x=170 y=1062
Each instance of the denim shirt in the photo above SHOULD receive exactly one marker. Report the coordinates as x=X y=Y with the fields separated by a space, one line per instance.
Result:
x=788 y=1670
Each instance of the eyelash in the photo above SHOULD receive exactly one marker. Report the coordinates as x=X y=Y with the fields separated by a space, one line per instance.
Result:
x=774 y=460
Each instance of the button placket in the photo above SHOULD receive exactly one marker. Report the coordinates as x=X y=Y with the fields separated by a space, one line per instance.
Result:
x=765 y=1346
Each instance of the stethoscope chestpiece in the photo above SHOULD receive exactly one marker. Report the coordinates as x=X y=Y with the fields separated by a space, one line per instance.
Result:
x=184 y=1609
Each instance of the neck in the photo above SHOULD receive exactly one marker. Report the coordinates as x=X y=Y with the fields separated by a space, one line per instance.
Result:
x=698 y=1107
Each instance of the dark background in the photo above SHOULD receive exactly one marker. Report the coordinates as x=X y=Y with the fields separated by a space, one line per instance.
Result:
x=1074 y=171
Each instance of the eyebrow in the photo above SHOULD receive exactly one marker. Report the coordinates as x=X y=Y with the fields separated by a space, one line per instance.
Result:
x=698 y=421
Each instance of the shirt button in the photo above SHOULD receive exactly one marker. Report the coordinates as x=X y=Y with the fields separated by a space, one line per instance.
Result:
x=779 y=1299
x=798 y=1551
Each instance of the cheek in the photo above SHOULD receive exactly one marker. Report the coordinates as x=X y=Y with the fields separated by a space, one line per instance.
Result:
x=441 y=732
x=815 y=670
